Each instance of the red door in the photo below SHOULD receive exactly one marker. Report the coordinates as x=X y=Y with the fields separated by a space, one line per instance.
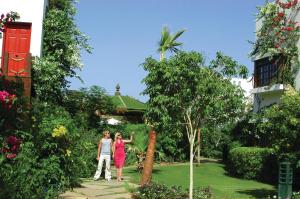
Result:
x=16 y=49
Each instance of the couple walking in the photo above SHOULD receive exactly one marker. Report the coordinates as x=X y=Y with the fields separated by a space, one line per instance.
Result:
x=105 y=146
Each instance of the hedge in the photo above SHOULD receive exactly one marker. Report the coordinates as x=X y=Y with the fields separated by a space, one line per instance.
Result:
x=253 y=163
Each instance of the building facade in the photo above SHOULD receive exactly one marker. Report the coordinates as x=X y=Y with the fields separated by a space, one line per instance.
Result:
x=21 y=39
x=267 y=87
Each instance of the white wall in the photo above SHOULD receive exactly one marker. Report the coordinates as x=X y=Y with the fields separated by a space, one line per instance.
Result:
x=32 y=11
x=245 y=84
x=266 y=99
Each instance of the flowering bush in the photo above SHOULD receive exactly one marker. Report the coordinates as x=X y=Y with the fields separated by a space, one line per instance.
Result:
x=59 y=131
x=6 y=99
x=11 y=147
x=278 y=35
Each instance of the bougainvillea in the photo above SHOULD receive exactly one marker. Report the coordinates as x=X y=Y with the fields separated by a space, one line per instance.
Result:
x=9 y=17
x=6 y=99
x=278 y=35
x=11 y=147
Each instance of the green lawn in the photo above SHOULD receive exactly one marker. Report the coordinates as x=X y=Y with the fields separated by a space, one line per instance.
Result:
x=208 y=174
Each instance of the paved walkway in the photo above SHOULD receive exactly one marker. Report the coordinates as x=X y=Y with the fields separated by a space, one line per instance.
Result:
x=100 y=189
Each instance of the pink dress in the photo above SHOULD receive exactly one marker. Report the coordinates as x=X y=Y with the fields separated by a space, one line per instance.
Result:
x=119 y=154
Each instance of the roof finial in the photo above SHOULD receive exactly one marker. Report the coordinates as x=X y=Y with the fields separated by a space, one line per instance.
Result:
x=118 y=90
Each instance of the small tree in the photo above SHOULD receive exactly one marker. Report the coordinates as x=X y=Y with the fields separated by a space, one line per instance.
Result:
x=183 y=92
x=167 y=43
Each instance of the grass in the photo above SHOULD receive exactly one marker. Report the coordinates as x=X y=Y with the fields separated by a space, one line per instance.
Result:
x=208 y=174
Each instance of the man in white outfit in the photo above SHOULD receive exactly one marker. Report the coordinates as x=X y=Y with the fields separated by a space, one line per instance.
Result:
x=104 y=148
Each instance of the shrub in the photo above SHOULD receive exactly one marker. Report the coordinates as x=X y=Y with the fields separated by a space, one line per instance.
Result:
x=159 y=191
x=52 y=156
x=252 y=163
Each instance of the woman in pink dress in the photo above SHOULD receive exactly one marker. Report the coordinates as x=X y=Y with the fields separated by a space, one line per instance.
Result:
x=119 y=154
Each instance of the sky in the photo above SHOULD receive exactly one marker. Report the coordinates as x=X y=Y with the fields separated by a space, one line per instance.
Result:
x=124 y=32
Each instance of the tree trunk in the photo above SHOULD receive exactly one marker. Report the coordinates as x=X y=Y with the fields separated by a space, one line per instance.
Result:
x=198 y=158
x=191 y=170
x=148 y=163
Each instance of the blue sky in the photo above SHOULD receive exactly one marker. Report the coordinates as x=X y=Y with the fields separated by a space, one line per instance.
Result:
x=124 y=32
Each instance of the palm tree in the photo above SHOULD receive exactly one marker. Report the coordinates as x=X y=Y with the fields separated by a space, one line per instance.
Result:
x=167 y=43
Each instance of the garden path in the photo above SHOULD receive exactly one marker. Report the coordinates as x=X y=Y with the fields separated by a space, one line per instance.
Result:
x=101 y=189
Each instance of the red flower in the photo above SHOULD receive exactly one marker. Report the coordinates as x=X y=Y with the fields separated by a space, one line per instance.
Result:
x=280 y=14
x=11 y=155
x=287 y=28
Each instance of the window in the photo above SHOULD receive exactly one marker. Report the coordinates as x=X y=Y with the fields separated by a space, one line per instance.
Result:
x=266 y=71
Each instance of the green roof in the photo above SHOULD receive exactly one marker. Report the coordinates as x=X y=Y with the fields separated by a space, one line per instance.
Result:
x=128 y=103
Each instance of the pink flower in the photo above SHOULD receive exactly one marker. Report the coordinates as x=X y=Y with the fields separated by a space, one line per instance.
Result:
x=14 y=148
x=11 y=155
x=3 y=96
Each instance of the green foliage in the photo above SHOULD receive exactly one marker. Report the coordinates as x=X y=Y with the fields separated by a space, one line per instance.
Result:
x=252 y=163
x=62 y=43
x=282 y=124
x=160 y=191
x=88 y=103
x=181 y=82
x=182 y=87
x=136 y=151
x=171 y=145
x=47 y=79
x=53 y=155
x=227 y=66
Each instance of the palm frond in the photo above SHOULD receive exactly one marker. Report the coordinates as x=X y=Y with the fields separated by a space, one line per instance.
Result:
x=177 y=34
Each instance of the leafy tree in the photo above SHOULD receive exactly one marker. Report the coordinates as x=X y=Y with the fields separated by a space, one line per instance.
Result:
x=167 y=42
x=281 y=123
x=185 y=93
x=62 y=43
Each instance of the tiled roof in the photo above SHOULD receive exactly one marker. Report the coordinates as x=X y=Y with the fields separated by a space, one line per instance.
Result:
x=128 y=103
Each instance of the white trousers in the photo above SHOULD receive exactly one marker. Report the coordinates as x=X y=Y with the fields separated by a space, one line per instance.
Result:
x=107 y=167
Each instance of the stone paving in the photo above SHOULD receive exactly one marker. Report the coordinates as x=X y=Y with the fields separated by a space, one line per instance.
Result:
x=100 y=189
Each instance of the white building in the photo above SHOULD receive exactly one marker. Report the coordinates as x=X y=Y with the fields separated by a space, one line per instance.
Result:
x=265 y=92
x=21 y=39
